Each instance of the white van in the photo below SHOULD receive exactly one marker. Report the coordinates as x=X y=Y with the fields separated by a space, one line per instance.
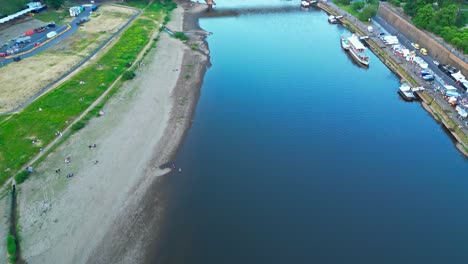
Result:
x=51 y=34
x=370 y=29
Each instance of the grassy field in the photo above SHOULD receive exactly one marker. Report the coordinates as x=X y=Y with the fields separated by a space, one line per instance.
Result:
x=8 y=7
x=55 y=110
x=60 y=16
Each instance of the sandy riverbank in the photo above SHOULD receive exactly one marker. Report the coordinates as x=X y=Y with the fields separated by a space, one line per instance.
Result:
x=108 y=211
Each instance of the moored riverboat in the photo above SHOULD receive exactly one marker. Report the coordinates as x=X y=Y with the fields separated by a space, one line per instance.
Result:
x=334 y=19
x=406 y=93
x=358 y=51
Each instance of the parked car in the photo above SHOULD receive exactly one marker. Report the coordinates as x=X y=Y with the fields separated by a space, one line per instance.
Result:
x=415 y=45
x=51 y=24
x=40 y=29
x=17 y=58
x=423 y=51
x=437 y=63
x=428 y=77
x=3 y=54
x=443 y=68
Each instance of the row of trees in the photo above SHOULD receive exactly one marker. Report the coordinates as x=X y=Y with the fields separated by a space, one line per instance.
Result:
x=443 y=18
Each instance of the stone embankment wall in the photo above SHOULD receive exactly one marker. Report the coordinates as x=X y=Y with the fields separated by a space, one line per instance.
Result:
x=434 y=48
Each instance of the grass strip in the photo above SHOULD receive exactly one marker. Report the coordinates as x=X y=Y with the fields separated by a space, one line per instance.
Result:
x=57 y=109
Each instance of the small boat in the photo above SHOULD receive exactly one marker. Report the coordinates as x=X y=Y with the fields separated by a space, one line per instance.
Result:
x=305 y=4
x=345 y=43
x=334 y=19
x=406 y=92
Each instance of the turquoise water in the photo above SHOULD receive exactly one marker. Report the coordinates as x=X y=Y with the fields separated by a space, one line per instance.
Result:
x=298 y=155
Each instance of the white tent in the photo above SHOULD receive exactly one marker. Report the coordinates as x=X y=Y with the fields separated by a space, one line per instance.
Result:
x=458 y=76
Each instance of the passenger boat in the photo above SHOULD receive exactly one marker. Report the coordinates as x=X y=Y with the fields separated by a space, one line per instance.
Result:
x=345 y=43
x=334 y=19
x=358 y=51
x=406 y=92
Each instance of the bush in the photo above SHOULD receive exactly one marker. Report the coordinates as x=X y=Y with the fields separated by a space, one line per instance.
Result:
x=11 y=245
x=181 y=36
x=358 y=5
x=78 y=125
x=20 y=177
x=128 y=75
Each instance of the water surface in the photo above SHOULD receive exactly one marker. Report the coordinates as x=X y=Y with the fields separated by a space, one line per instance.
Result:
x=298 y=155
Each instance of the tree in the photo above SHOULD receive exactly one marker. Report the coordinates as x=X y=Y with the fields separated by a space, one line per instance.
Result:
x=424 y=16
x=55 y=3
x=358 y=5
x=367 y=12
x=447 y=15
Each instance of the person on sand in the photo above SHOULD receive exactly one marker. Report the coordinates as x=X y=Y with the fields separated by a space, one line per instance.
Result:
x=96 y=162
x=57 y=170
x=69 y=175
x=67 y=160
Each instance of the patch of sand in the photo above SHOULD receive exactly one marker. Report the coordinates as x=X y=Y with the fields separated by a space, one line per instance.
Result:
x=63 y=220
x=21 y=80
x=108 y=18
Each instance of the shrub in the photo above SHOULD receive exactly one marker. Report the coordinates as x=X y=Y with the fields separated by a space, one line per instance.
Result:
x=11 y=245
x=128 y=75
x=78 y=125
x=20 y=177
x=181 y=36
x=358 y=5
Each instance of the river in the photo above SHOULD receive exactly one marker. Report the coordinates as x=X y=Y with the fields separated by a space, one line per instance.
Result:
x=298 y=155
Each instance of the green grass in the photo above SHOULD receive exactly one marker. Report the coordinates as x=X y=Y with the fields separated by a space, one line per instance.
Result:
x=347 y=8
x=64 y=104
x=59 y=16
x=11 y=248
x=8 y=7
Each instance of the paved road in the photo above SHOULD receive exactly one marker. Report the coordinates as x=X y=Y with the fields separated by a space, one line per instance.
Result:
x=41 y=37
x=438 y=39
x=441 y=78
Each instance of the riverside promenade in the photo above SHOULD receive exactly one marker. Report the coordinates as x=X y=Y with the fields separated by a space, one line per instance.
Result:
x=432 y=97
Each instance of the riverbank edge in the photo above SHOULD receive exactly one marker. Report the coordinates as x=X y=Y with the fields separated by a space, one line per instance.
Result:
x=427 y=102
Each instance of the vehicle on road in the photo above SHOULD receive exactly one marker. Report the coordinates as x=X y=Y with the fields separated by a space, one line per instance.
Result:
x=40 y=29
x=3 y=54
x=51 y=34
x=415 y=45
x=423 y=51
x=437 y=63
x=17 y=58
x=82 y=21
x=428 y=77
x=51 y=24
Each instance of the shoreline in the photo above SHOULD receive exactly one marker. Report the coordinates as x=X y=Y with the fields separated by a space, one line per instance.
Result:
x=109 y=211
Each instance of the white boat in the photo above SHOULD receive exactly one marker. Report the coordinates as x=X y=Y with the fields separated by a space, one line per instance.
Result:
x=357 y=50
x=345 y=43
x=332 y=19
x=406 y=92
x=305 y=4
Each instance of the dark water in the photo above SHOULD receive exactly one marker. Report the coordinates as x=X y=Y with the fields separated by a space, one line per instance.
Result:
x=297 y=155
